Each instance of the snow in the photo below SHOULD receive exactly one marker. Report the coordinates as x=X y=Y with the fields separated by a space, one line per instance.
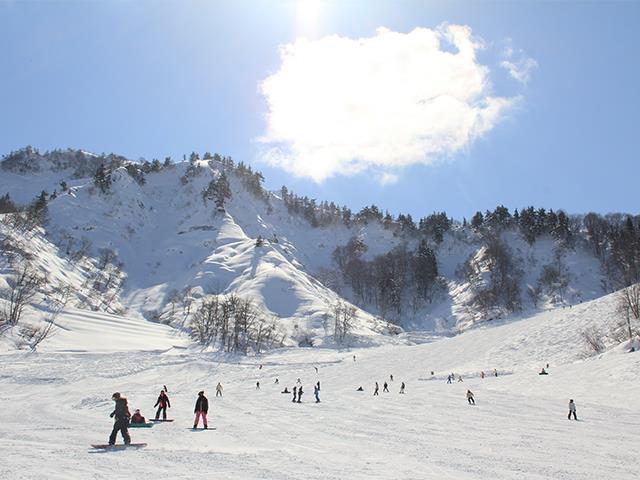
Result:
x=55 y=404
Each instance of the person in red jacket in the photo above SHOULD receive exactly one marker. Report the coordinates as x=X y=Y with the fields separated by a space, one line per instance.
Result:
x=162 y=403
x=201 y=409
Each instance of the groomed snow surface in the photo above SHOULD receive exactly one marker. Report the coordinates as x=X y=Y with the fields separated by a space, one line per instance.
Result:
x=56 y=403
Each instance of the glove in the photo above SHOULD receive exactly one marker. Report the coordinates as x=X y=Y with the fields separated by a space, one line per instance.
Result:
x=112 y=414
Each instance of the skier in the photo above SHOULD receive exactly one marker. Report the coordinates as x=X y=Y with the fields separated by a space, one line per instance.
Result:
x=300 y=394
x=219 y=390
x=137 y=417
x=572 y=410
x=122 y=415
x=201 y=409
x=375 y=392
x=391 y=377
x=402 y=388
x=316 y=392
x=162 y=403
x=448 y=378
x=385 y=387
x=470 y=398
x=257 y=385
x=295 y=394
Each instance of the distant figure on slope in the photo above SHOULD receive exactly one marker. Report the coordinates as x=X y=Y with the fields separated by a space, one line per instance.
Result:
x=277 y=381
x=572 y=410
x=354 y=358
x=299 y=382
x=286 y=390
x=495 y=372
x=459 y=378
x=219 y=390
x=316 y=369
x=402 y=388
x=481 y=374
x=257 y=385
x=543 y=372
x=201 y=409
x=391 y=377
x=318 y=385
x=375 y=392
x=137 y=417
x=260 y=367
x=316 y=393
x=470 y=398
x=448 y=378
x=162 y=403
x=300 y=394
x=547 y=366
x=385 y=387
x=360 y=389
x=295 y=394
x=122 y=415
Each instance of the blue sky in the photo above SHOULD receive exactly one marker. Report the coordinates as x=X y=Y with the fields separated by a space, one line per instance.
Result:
x=157 y=78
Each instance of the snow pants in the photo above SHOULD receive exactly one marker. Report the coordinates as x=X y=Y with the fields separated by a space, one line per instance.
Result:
x=471 y=401
x=162 y=409
x=197 y=420
x=120 y=425
x=571 y=412
x=218 y=393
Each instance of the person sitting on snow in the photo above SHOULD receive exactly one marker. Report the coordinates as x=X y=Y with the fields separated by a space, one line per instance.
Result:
x=137 y=417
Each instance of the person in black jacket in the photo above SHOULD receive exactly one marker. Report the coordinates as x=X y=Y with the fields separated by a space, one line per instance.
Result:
x=162 y=403
x=122 y=416
x=202 y=407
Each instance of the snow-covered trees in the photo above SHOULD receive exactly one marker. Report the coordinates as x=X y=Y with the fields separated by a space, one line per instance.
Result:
x=218 y=190
x=22 y=287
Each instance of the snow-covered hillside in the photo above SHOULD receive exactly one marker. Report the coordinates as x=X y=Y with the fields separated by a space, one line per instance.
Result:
x=157 y=249
x=518 y=428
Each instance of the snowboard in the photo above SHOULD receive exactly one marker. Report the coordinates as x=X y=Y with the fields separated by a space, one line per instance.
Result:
x=201 y=428
x=120 y=446
x=140 y=425
x=161 y=420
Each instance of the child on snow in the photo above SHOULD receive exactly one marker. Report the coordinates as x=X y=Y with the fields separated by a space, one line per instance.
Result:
x=201 y=409
x=162 y=403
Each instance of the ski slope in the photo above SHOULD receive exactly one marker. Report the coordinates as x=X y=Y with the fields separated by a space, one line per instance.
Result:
x=55 y=404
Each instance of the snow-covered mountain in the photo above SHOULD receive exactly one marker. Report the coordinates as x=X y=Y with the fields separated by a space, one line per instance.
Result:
x=159 y=240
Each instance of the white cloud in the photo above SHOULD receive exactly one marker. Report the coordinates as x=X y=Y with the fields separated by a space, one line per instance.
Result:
x=519 y=69
x=388 y=178
x=341 y=106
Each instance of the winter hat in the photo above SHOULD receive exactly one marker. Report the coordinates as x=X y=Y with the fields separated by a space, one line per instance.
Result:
x=116 y=395
x=201 y=392
x=137 y=410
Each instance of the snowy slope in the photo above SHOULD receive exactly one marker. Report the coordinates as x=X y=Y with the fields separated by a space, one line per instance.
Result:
x=175 y=248
x=517 y=430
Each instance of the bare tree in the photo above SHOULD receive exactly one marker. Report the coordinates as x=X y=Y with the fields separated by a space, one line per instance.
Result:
x=629 y=300
x=24 y=285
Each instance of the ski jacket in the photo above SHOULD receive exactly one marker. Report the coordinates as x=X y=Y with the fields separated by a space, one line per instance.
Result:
x=572 y=407
x=469 y=394
x=163 y=400
x=121 y=411
x=202 y=405
x=137 y=418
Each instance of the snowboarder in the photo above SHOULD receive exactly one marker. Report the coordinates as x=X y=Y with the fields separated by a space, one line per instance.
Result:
x=137 y=417
x=260 y=368
x=391 y=377
x=257 y=385
x=201 y=409
x=385 y=387
x=470 y=398
x=122 y=415
x=298 y=382
x=295 y=394
x=316 y=392
x=402 y=388
x=219 y=390
x=354 y=358
x=572 y=410
x=162 y=403
x=481 y=374
x=318 y=385
x=448 y=378
x=543 y=372
x=360 y=389
x=495 y=372
x=375 y=392
x=277 y=381
x=459 y=378
x=286 y=390
x=300 y=394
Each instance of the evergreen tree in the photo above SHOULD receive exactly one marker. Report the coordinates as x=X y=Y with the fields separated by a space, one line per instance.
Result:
x=425 y=269
x=102 y=179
